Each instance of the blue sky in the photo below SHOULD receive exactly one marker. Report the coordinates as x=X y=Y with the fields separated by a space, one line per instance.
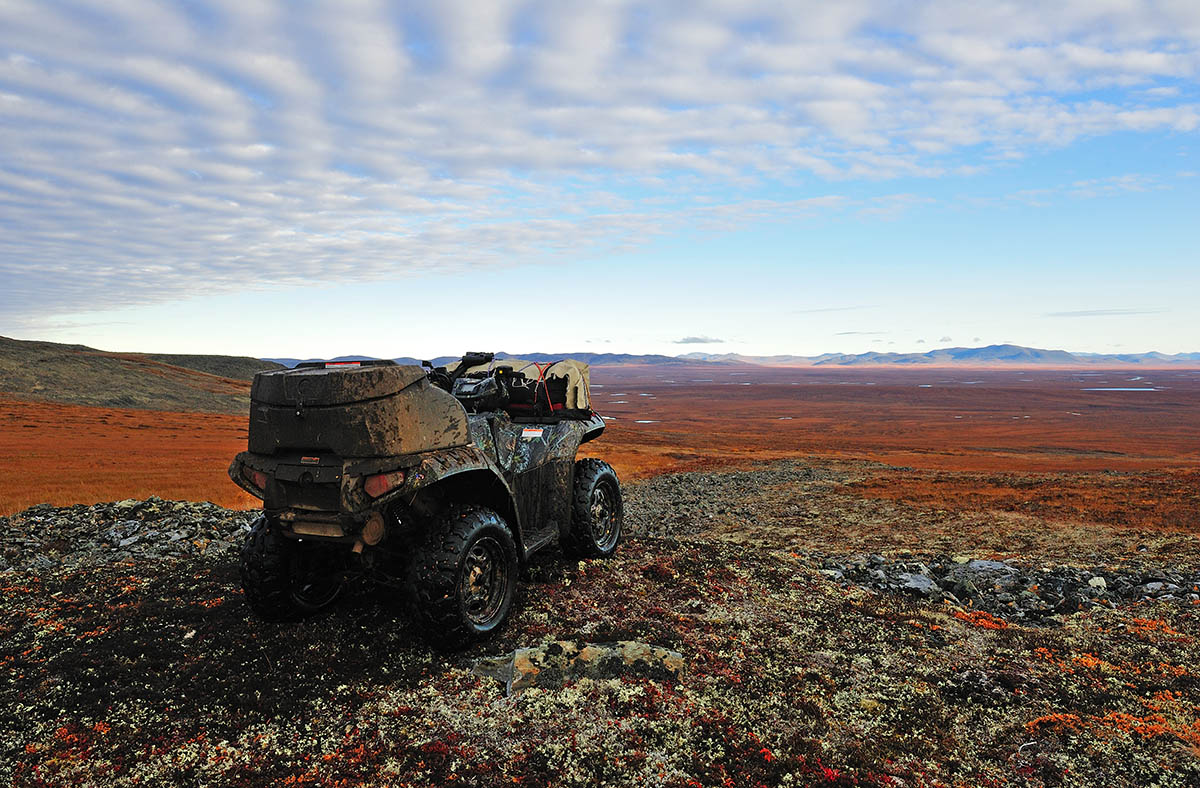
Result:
x=309 y=179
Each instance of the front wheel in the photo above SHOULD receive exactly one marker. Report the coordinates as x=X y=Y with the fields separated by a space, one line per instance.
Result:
x=596 y=511
x=464 y=576
x=285 y=579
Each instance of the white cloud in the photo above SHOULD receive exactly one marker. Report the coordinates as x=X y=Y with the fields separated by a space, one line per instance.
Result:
x=149 y=150
x=1107 y=186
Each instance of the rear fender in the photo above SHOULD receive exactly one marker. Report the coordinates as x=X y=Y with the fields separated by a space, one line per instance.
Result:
x=462 y=475
x=482 y=487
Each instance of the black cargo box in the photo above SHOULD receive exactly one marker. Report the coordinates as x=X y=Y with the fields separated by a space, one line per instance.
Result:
x=374 y=410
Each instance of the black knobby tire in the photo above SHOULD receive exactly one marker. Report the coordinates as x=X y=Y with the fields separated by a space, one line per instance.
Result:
x=463 y=576
x=276 y=576
x=596 y=511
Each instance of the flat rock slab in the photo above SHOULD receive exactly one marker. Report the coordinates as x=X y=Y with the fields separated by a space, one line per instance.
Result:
x=551 y=664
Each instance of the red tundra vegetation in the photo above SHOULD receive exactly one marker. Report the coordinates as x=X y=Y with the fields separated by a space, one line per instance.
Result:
x=64 y=454
x=998 y=439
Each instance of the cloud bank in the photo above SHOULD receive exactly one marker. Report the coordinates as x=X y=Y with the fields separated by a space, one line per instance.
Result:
x=150 y=151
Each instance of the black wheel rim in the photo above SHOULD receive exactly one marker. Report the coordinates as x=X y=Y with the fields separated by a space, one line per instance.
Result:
x=606 y=523
x=483 y=584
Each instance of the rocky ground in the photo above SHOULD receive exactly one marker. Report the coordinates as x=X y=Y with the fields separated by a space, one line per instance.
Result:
x=137 y=532
x=1017 y=567
x=826 y=638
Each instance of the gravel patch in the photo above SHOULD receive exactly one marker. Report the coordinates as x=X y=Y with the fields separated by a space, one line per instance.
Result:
x=45 y=537
x=683 y=504
x=780 y=499
x=1015 y=591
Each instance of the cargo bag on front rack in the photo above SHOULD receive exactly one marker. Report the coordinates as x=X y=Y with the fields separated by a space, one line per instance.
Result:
x=557 y=389
x=538 y=397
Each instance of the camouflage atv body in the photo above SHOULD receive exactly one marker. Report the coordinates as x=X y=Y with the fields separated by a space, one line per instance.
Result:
x=377 y=471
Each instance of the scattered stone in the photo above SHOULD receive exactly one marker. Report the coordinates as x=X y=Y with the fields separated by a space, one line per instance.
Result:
x=43 y=537
x=552 y=664
x=1006 y=590
x=1159 y=588
x=990 y=566
x=870 y=705
x=918 y=584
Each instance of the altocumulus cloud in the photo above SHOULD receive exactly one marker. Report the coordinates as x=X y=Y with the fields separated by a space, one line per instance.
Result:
x=1105 y=312
x=698 y=341
x=150 y=151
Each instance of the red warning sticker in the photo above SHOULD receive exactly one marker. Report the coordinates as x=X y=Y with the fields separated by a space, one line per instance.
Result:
x=532 y=432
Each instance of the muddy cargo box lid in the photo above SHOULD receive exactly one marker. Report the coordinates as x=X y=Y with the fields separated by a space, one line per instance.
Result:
x=316 y=386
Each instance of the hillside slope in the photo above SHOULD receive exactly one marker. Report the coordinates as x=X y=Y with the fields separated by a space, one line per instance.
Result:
x=795 y=672
x=82 y=375
x=236 y=367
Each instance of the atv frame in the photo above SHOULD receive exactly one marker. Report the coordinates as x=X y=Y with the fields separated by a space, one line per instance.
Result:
x=450 y=520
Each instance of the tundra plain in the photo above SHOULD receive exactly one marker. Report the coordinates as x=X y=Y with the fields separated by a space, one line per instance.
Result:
x=939 y=436
x=785 y=527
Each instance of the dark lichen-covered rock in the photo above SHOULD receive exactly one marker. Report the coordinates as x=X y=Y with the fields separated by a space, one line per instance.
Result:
x=552 y=664
x=1024 y=592
x=918 y=585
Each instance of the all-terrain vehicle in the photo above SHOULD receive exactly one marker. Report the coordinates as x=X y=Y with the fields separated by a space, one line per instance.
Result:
x=437 y=483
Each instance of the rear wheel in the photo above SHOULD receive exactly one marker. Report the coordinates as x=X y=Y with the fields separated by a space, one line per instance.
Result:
x=464 y=576
x=284 y=579
x=596 y=511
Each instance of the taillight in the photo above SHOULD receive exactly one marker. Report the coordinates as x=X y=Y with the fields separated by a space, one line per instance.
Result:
x=257 y=479
x=380 y=483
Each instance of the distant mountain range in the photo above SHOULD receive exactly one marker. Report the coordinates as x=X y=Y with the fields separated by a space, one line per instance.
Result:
x=991 y=355
x=85 y=376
